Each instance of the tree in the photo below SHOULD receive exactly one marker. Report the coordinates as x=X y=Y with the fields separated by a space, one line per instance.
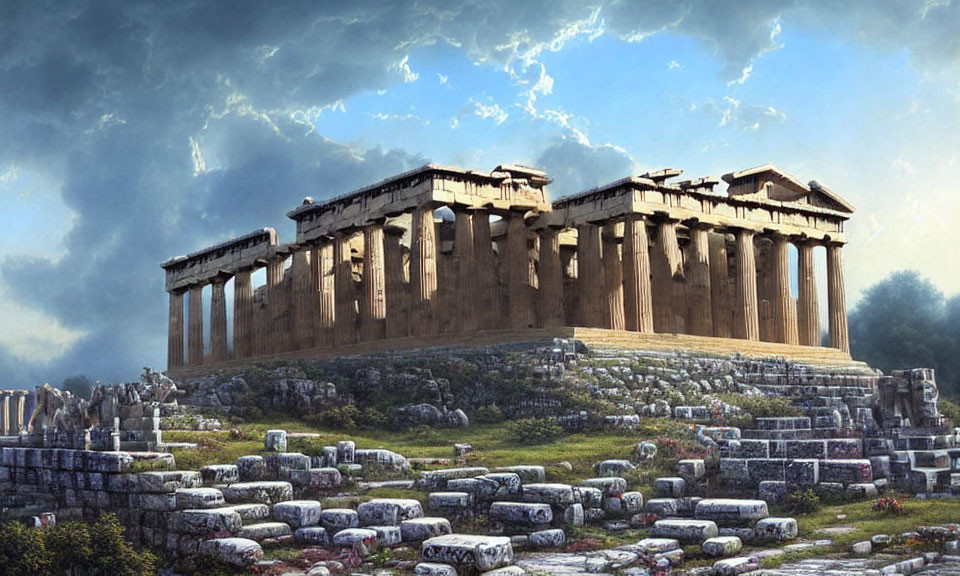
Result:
x=79 y=385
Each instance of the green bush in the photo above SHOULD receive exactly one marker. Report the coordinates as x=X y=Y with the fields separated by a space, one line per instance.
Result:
x=534 y=430
x=761 y=407
x=802 y=502
x=23 y=550
x=951 y=410
x=372 y=418
x=489 y=414
x=338 y=417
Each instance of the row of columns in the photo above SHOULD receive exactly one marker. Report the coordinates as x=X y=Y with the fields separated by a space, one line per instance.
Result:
x=634 y=288
x=13 y=412
x=622 y=283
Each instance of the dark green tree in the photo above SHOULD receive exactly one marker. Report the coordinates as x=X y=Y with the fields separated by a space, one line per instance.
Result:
x=22 y=550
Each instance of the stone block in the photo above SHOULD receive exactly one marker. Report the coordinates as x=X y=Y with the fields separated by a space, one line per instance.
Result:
x=652 y=546
x=752 y=449
x=506 y=571
x=450 y=502
x=220 y=474
x=735 y=566
x=554 y=538
x=779 y=529
x=434 y=569
x=280 y=465
x=816 y=449
x=772 y=491
x=734 y=470
x=722 y=546
x=312 y=536
x=275 y=441
x=258 y=492
x=610 y=486
x=844 y=449
x=863 y=490
x=495 y=486
x=744 y=534
x=880 y=465
x=250 y=513
x=204 y=522
x=388 y=511
x=628 y=503
x=298 y=513
x=336 y=519
x=803 y=473
x=235 y=551
x=523 y=513
x=692 y=469
x=362 y=539
x=670 y=487
x=265 y=530
x=387 y=535
x=573 y=515
x=864 y=548
x=346 y=451
x=154 y=502
x=684 y=530
x=663 y=507
x=731 y=510
x=528 y=474
x=381 y=458
x=614 y=467
x=845 y=471
x=468 y=552
x=554 y=494
x=764 y=469
x=420 y=529
x=316 y=479
x=437 y=479
x=589 y=496
x=191 y=498
x=251 y=468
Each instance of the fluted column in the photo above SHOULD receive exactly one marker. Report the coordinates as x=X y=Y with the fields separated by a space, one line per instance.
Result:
x=747 y=324
x=613 y=278
x=488 y=300
x=304 y=302
x=323 y=333
x=6 y=413
x=550 y=279
x=699 y=289
x=590 y=277
x=783 y=318
x=423 y=273
x=218 y=321
x=195 y=333
x=518 y=273
x=464 y=245
x=397 y=286
x=344 y=291
x=242 y=315
x=20 y=412
x=637 y=292
x=276 y=332
x=175 y=331
x=374 y=313
x=837 y=300
x=719 y=287
x=667 y=265
x=808 y=309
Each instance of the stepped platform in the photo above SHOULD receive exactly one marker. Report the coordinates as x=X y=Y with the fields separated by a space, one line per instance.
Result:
x=824 y=359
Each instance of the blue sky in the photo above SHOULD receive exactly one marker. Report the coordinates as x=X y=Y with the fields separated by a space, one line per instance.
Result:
x=135 y=131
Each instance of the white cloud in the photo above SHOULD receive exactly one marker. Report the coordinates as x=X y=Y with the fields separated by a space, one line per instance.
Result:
x=443 y=79
x=31 y=335
x=199 y=164
x=673 y=65
x=772 y=46
x=491 y=111
x=414 y=117
x=403 y=67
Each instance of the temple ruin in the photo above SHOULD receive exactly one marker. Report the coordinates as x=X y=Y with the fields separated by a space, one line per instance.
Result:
x=440 y=251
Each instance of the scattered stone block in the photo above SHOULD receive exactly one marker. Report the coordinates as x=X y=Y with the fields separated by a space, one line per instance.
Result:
x=493 y=486
x=527 y=474
x=275 y=441
x=312 y=536
x=688 y=531
x=573 y=515
x=506 y=571
x=524 y=513
x=863 y=490
x=363 y=539
x=387 y=535
x=235 y=551
x=250 y=513
x=191 y=498
x=614 y=467
x=437 y=479
x=652 y=546
x=346 y=451
x=220 y=474
x=265 y=492
x=450 y=502
x=298 y=513
x=670 y=487
x=204 y=522
x=722 y=546
x=610 y=486
x=731 y=510
x=251 y=468
x=744 y=534
x=337 y=519
x=663 y=507
x=388 y=511
x=553 y=494
x=625 y=504
x=861 y=548
x=468 y=552
x=316 y=479
x=589 y=496
x=734 y=566
x=547 y=539
x=434 y=569
x=265 y=530
x=693 y=468
x=160 y=482
x=420 y=529
x=777 y=528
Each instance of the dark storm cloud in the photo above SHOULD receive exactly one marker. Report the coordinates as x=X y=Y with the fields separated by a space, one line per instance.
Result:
x=106 y=97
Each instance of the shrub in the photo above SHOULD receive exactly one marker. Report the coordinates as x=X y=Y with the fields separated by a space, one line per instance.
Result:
x=534 y=430
x=489 y=414
x=950 y=409
x=887 y=506
x=372 y=418
x=338 y=417
x=23 y=550
x=802 y=502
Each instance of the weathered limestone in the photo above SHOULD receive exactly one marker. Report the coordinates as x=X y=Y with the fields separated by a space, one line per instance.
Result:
x=423 y=273
x=305 y=302
x=395 y=281
x=175 y=333
x=465 y=318
x=345 y=321
x=613 y=278
x=590 y=277
x=837 y=303
x=667 y=265
x=808 y=311
x=551 y=279
x=486 y=278
x=518 y=270
x=699 y=293
x=468 y=552
x=278 y=306
x=242 y=315
x=637 y=292
x=720 y=298
x=374 y=312
x=324 y=331
x=218 y=322
x=236 y=551
x=195 y=334
x=746 y=319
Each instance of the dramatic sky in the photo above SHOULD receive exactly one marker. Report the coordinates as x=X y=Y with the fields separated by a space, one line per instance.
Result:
x=131 y=132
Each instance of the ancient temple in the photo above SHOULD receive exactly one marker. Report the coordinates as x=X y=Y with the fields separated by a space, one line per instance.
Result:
x=440 y=251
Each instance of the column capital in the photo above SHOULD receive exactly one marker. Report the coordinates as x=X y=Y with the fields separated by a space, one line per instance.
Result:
x=697 y=224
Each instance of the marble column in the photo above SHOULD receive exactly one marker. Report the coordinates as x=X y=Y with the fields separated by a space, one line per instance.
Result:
x=7 y=429
x=719 y=282
x=488 y=301
x=345 y=292
x=613 y=278
x=175 y=331
x=637 y=292
x=326 y=275
x=464 y=247
x=423 y=273
x=304 y=301
x=277 y=330
x=762 y=256
x=218 y=321
x=242 y=315
x=667 y=265
x=195 y=328
x=783 y=317
x=518 y=273
x=374 y=314
x=550 y=279
x=20 y=415
x=397 y=286
x=747 y=324
x=808 y=309
x=591 y=279
x=698 y=282
x=836 y=299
